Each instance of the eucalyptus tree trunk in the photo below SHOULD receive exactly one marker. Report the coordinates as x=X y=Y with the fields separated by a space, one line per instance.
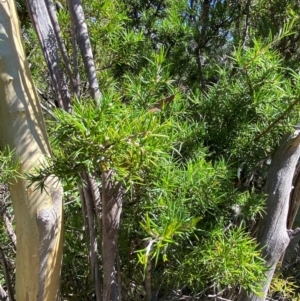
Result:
x=273 y=236
x=43 y=15
x=45 y=24
x=37 y=212
x=77 y=15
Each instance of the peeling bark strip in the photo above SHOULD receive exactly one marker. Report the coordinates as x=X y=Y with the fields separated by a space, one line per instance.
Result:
x=272 y=234
x=112 y=194
x=22 y=129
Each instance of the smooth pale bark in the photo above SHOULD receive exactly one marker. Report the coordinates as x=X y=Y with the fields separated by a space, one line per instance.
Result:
x=48 y=39
x=53 y=17
x=52 y=14
x=37 y=213
x=77 y=15
x=43 y=15
x=272 y=234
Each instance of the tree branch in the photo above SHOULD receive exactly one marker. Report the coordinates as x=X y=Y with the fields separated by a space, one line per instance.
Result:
x=277 y=120
x=6 y=276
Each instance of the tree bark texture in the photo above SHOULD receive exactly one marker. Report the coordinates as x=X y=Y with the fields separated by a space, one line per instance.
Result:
x=37 y=212
x=90 y=213
x=272 y=233
x=295 y=199
x=52 y=14
x=112 y=194
x=77 y=15
x=46 y=34
x=293 y=247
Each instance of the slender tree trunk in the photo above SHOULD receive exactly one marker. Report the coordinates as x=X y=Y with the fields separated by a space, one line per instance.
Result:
x=111 y=189
x=48 y=29
x=97 y=201
x=112 y=194
x=90 y=211
x=77 y=15
x=47 y=37
x=272 y=234
x=61 y=45
x=37 y=213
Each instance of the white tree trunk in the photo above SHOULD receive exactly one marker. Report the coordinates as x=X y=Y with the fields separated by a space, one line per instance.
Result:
x=37 y=213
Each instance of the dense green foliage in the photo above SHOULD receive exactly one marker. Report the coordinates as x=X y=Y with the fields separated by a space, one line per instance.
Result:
x=196 y=97
x=8 y=168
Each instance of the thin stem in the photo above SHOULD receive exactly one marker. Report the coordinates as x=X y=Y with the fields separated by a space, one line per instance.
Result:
x=277 y=120
x=6 y=276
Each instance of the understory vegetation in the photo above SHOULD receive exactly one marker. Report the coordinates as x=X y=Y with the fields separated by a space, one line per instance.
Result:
x=195 y=99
